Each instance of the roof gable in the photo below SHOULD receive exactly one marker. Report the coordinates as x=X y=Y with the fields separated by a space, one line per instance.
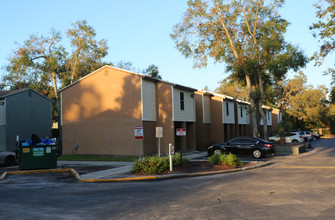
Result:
x=7 y=93
x=133 y=73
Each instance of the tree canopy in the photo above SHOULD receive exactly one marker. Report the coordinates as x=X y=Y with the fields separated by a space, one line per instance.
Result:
x=304 y=105
x=38 y=63
x=87 y=52
x=152 y=71
x=247 y=35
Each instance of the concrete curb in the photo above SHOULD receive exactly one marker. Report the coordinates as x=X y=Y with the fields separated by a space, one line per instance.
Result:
x=142 y=178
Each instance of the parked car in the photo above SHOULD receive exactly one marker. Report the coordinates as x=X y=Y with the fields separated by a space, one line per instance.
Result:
x=290 y=137
x=7 y=158
x=316 y=135
x=256 y=147
x=308 y=135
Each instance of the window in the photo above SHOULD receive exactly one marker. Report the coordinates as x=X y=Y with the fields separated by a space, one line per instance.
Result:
x=182 y=103
x=227 y=108
x=248 y=141
x=241 y=111
x=268 y=116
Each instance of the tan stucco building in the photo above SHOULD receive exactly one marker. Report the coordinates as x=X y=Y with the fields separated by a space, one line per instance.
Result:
x=101 y=110
x=219 y=118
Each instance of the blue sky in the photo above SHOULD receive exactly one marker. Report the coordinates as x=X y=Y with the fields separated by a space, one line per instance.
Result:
x=138 y=31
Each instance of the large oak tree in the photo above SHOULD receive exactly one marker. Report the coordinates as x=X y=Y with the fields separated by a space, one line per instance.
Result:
x=246 y=35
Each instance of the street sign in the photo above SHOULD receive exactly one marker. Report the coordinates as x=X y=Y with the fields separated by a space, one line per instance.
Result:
x=181 y=132
x=159 y=132
x=139 y=132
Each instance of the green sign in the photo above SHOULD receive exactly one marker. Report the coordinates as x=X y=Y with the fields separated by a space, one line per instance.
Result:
x=38 y=152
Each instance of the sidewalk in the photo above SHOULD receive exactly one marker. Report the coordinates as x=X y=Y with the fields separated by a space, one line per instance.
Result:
x=121 y=167
x=101 y=171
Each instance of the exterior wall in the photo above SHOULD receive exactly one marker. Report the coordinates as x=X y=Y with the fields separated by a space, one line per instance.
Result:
x=2 y=137
x=190 y=136
x=100 y=111
x=269 y=115
x=228 y=112
x=149 y=142
x=217 y=130
x=2 y=112
x=206 y=108
x=269 y=118
x=2 y=126
x=148 y=100
x=276 y=119
x=164 y=115
x=243 y=117
x=188 y=114
x=202 y=128
x=27 y=113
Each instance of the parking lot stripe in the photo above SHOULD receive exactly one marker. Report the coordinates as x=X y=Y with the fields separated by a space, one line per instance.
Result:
x=306 y=167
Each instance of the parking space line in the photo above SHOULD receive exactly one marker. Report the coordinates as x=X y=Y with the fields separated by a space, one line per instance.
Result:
x=306 y=167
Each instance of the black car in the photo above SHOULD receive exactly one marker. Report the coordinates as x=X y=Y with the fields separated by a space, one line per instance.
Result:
x=244 y=146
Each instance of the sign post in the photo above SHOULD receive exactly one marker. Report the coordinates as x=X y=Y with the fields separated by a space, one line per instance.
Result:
x=181 y=132
x=139 y=136
x=159 y=135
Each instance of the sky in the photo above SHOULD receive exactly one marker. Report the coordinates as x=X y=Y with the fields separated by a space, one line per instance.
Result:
x=139 y=31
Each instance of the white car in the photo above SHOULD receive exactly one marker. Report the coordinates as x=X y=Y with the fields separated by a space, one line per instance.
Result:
x=291 y=137
x=308 y=135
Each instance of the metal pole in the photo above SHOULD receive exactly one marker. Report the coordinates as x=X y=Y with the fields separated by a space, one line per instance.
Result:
x=170 y=156
x=139 y=148
x=159 y=147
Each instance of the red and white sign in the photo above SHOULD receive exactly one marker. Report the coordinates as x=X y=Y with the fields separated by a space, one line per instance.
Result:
x=159 y=132
x=181 y=132
x=139 y=132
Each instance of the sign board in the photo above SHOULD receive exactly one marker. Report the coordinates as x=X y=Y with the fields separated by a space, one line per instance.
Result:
x=159 y=132
x=38 y=152
x=139 y=132
x=171 y=149
x=181 y=132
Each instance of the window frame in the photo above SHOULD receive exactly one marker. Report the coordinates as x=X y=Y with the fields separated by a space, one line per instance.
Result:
x=182 y=101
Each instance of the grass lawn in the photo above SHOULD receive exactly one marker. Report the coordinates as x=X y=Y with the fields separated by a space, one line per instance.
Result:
x=97 y=158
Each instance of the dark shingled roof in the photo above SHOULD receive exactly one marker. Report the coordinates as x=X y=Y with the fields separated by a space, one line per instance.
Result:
x=9 y=92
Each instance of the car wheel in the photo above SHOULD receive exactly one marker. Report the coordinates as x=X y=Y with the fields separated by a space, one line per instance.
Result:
x=295 y=141
x=218 y=151
x=9 y=161
x=257 y=154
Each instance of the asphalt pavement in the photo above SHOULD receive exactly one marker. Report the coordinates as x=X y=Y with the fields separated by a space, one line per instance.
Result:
x=102 y=171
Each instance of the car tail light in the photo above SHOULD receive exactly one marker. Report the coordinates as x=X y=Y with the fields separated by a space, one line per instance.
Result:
x=268 y=145
x=300 y=136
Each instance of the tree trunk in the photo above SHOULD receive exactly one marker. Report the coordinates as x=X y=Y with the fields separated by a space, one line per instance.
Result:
x=54 y=83
x=253 y=118
x=260 y=109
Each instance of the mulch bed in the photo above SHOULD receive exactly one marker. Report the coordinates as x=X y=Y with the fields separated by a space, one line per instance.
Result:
x=197 y=167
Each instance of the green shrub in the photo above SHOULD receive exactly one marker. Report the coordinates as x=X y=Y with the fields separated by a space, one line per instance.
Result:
x=232 y=160
x=177 y=161
x=227 y=159
x=157 y=165
x=215 y=159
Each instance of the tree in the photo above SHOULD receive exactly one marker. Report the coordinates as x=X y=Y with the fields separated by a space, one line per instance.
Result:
x=303 y=104
x=233 y=89
x=87 y=53
x=248 y=36
x=152 y=71
x=38 y=64
x=126 y=66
